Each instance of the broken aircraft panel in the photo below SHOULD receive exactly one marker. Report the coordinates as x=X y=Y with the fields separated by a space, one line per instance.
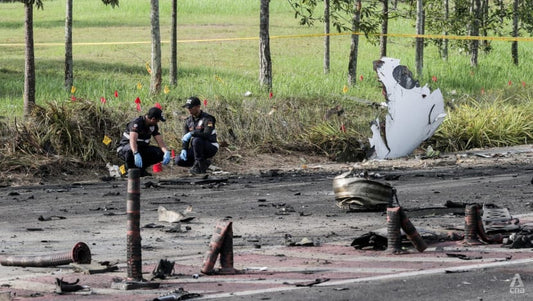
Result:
x=414 y=112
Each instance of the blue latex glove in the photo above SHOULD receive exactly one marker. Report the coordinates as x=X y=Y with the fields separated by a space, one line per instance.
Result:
x=186 y=137
x=166 y=158
x=138 y=160
x=183 y=155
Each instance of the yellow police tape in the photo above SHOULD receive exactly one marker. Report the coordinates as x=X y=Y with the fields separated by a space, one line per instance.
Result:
x=401 y=35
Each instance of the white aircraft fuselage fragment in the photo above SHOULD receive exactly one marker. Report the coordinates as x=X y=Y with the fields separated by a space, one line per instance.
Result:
x=414 y=112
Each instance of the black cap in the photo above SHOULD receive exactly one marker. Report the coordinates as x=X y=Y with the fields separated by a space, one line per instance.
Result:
x=156 y=113
x=192 y=101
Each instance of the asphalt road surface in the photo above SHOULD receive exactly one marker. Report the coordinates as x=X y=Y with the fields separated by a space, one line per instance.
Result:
x=265 y=208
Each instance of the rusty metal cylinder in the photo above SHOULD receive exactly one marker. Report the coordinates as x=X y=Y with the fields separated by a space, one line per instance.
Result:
x=80 y=253
x=226 y=253
x=471 y=224
x=394 y=237
x=215 y=246
x=133 y=213
x=411 y=233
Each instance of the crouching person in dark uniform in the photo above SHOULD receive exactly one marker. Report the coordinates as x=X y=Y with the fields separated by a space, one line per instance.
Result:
x=134 y=146
x=199 y=142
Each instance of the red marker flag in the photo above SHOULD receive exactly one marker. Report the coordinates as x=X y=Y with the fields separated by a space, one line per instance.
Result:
x=157 y=105
x=102 y=99
x=116 y=93
x=205 y=102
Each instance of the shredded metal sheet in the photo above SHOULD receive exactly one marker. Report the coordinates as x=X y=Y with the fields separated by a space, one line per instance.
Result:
x=414 y=112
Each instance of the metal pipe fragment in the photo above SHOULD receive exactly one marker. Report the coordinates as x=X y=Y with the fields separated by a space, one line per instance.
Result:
x=133 y=213
x=226 y=253
x=471 y=225
x=80 y=253
x=223 y=229
x=394 y=237
x=411 y=233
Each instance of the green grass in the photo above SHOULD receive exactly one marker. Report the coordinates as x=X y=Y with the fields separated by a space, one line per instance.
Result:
x=222 y=71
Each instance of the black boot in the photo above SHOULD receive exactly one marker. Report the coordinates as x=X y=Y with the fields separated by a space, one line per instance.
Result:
x=144 y=173
x=199 y=167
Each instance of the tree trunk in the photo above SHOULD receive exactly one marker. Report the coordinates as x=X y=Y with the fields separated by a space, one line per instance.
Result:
x=419 y=51
x=484 y=20
x=384 y=29
x=173 y=45
x=474 y=31
x=69 y=64
x=354 y=47
x=265 y=70
x=444 y=49
x=29 y=70
x=326 y=37
x=514 y=44
x=155 y=80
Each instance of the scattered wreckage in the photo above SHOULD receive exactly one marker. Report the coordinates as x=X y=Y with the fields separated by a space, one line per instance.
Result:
x=484 y=223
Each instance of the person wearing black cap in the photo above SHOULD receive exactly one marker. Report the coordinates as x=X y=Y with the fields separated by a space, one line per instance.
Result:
x=134 y=146
x=199 y=141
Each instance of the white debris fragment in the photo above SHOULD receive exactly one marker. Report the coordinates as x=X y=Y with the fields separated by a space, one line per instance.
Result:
x=114 y=170
x=165 y=215
x=414 y=112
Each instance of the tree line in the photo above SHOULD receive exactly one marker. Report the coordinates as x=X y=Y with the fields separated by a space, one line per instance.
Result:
x=475 y=18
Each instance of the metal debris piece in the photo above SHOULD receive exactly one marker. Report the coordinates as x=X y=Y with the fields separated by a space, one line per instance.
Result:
x=179 y=294
x=498 y=219
x=520 y=239
x=370 y=240
x=164 y=269
x=317 y=281
x=221 y=244
x=68 y=287
x=80 y=253
x=133 y=285
x=304 y=242
x=153 y=226
x=94 y=268
x=49 y=218
x=357 y=193
x=463 y=256
x=413 y=113
x=170 y=216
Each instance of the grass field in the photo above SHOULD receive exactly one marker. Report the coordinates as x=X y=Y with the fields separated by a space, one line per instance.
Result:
x=218 y=61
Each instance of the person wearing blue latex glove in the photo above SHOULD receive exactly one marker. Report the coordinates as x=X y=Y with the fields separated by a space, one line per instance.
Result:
x=166 y=158
x=186 y=137
x=134 y=146
x=183 y=155
x=138 y=160
x=199 y=140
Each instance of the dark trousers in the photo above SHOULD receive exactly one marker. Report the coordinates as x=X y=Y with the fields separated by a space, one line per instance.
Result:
x=199 y=150
x=149 y=153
